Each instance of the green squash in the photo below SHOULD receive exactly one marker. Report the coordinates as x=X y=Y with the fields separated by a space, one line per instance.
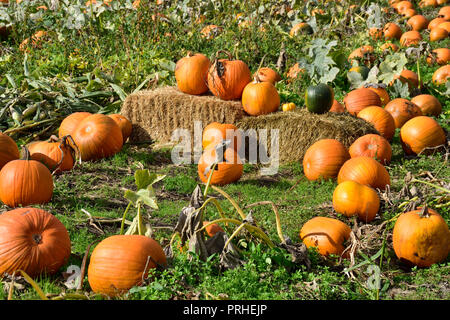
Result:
x=319 y=99
x=362 y=70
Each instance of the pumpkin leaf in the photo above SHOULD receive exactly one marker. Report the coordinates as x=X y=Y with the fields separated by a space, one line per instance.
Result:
x=392 y=66
x=144 y=179
x=145 y=196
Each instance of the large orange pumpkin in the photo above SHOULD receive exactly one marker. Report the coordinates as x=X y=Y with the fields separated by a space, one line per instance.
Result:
x=444 y=13
x=381 y=119
x=57 y=154
x=420 y=133
x=25 y=182
x=121 y=262
x=328 y=235
x=8 y=150
x=421 y=237
x=351 y=198
x=417 y=22
x=410 y=38
x=124 y=124
x=358 y=99
x=365 y=170
x=438 y=33
x=429 y=104
x=215 y=133
x=228 y=170
x=324 y=158
x=227 y=78
x=98 y=136
x=392 y=31
x=260 y=98
x=435 y=22
x=32 y=240
x=402 y=110
x=373 y=146
x=440 y=56
x=71 y=122
x=191 y=73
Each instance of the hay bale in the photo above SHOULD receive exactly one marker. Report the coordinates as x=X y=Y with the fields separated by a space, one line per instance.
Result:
x=298 y=130
x=156 y=114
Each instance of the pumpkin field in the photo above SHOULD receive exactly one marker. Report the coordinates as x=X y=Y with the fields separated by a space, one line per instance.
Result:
x=346 y=198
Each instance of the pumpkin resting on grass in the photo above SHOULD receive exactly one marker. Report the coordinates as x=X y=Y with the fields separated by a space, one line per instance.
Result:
x=32 y=240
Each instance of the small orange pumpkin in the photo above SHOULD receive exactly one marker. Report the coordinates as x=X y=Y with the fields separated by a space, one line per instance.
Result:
x=402 y=110
x=441 y=75
x=328 y=235
x=438 y=33
x=228 y=170
x=444 y=13
x=267 y=75
x=410 y=38
x=337 y=107
x=440 y=56
x=421 y=133
x=373 y=146
x=8 y=150
x=212 y=229
x=215 y=133
x=191 y=73
x=351 y=198
x=435 y=22
x=124 y=124
x=381 y=119
x=392 y=31
x=429 y=104
x=324 y=158
x=365 y=170
x=417 y=22
x=260 y=98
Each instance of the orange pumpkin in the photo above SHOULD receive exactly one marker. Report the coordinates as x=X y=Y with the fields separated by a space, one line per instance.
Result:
x=56 y=154
x=445 y=25
x=337 y=107
x=34 y=241
x=191 y=73
x=444 y=13
x=212 y=229
x=392 y=31
x=295 y=72
x=351 y=198
x=267 y=75
x=417 y=22
x=438 y=33
x=421 y=237
x=324 y=158
x=408 y=13
x=435 y=22
x=228 y=170
x=364 y=53
x=421 y=133
x=427 y=3
x=403 y=6
x=25 y=182
x=365 y=170
x=358 y=99
x=381 y=119
x=215 y=133
x=429 y=104
x=121 y=262
x=402 y=110
x=410 y=38
x=440 y=56
x=328 y=235
x=373 y=146
x=260 y=98
x=124 y=124
x=409 y=77
x=71 y=122
x=441 y=75
x=375 y=33
x=227 y=78
x=98 y=136
x=380 y=90
x=8 y=150
x=389 y=46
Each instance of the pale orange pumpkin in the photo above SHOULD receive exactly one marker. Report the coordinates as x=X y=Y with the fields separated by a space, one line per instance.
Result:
x=324 y=158
x=429 y=104
x=328 y=235
x=351 y=198
x=381 y=119
x=365 y=170
x=421 y=133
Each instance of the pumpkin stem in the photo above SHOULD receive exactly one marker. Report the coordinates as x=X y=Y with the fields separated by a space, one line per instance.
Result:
x=37 y=238
x=230 y=57
x=53 y=138
x=424 y=213
x=25 y=154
